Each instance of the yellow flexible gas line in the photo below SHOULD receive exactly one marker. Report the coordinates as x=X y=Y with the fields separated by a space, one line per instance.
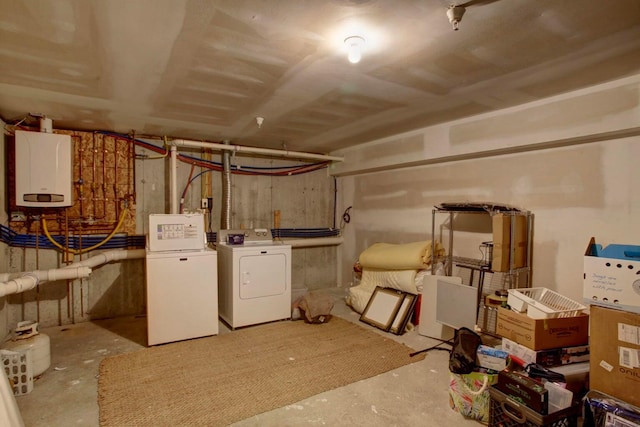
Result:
x=162 y=156
x=81 y=251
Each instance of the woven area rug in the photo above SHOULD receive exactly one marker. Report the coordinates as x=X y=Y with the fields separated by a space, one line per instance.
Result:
x=219 y=380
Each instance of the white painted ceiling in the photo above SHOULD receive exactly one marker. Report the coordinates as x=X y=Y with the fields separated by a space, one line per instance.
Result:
x=204 y=69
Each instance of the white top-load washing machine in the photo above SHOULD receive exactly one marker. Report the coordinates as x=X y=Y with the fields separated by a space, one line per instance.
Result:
x=254 y=278
x=182 y=279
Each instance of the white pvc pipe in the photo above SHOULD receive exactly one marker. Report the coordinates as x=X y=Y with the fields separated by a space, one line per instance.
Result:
x=311 y=242
x=173 y=178
x=94 y=261
x=105 y=257
x=255 y=150
x=15 y=283
x=30 y=280
x=18 y=285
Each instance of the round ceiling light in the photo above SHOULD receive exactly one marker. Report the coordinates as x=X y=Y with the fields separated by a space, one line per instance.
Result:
x=355 y=45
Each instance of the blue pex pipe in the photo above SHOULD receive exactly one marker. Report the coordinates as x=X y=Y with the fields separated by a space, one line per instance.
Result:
x=120 y=241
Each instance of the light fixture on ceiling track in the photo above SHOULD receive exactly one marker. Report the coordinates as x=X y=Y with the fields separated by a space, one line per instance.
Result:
x=454 y=13
x=355 y=45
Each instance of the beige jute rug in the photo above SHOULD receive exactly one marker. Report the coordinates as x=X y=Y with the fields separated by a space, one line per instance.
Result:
x=219 y=380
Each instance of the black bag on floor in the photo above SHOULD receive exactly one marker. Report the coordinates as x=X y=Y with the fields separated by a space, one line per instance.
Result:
x=462 y=359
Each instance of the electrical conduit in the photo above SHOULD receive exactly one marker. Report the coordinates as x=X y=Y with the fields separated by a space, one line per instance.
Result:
x=173 y=178
x=225 y=217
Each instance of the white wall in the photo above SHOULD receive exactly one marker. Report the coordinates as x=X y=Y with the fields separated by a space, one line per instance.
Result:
x=572 y=160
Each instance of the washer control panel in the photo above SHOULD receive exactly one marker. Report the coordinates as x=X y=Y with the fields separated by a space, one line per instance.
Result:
x=176 y=232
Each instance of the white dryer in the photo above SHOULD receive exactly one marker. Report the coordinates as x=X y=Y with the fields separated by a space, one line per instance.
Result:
x=254 y=278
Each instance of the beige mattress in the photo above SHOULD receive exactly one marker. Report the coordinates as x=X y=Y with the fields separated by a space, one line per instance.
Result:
x=404 y=280
x=406 y=256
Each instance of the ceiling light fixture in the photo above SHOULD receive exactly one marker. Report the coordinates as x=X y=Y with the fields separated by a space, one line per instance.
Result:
x=355 y=45
x=454 y=13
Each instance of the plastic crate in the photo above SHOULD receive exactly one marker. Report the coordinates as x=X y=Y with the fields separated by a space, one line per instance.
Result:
x=543 y=303
x=504 y=412
x=17 y=365
x=601 y=410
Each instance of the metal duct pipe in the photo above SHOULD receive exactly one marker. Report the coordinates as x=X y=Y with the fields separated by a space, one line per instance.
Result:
x=225 y=217
x=256 y=150
x=173 y=178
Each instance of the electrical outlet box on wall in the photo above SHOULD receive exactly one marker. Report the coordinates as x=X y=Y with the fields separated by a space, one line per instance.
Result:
x=44 y=170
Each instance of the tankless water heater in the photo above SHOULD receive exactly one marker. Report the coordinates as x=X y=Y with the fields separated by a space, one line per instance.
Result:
x=44 y=171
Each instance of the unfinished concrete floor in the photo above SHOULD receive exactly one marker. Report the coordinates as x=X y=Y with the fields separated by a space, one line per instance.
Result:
x=413 y=395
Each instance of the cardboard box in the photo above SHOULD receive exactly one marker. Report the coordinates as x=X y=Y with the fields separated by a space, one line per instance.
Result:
x=501 y=225
x=548 y=358
x=491 y=358
x=612 y=276
x=543 y=334
x=615 y=350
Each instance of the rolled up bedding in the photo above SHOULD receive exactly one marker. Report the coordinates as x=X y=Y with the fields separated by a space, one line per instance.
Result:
x=405 y=256
x=404 y=280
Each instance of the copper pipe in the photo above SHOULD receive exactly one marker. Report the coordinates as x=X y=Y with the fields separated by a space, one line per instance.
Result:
x=66 y=236
x=73 y=310
x=38 y=268
x=81 y=280
x=115 y=176
x=131 y=189
x=68 y=298
x=104 y=177
x=80 y=182
x=66 y=260
x=93 y=177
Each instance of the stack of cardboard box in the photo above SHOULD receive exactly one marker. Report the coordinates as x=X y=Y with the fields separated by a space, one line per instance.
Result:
x=612 y=288
x=554 y=343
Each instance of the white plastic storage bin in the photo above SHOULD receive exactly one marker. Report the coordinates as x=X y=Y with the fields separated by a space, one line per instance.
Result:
x=543 y=303
x=17 y=366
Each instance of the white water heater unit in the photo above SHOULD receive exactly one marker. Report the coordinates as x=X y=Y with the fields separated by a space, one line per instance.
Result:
x=44 y=170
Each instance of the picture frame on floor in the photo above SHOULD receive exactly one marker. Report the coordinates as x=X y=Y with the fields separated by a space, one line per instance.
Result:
x=382 y=308
x=389 y=309
x=404 y=313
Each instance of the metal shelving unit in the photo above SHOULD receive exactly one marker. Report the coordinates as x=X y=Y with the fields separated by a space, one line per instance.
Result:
x=478 y=272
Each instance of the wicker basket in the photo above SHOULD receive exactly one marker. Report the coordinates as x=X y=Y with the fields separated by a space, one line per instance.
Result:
x=543 y=303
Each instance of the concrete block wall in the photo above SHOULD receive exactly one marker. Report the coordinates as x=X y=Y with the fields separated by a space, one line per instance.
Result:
x=118 y=288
